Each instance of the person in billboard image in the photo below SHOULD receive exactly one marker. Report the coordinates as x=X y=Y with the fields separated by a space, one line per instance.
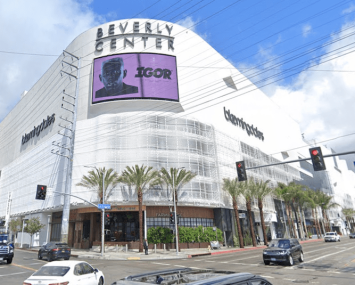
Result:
x=112 y=74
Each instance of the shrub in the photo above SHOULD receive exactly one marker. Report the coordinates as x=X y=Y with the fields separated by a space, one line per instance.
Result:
x=159 y=235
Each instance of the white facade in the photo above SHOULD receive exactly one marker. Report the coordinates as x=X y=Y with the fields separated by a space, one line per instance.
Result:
x=192 y=133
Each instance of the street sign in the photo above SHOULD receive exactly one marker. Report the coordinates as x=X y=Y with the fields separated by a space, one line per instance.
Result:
x=104 y=206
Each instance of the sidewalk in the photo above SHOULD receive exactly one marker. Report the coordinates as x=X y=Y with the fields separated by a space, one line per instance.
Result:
x=159 y=254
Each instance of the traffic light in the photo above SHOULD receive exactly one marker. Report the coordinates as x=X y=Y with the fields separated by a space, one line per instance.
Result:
x=107 y=218
x=172 y=217
x=317 y=158
x=41 y=192
x=242 y=175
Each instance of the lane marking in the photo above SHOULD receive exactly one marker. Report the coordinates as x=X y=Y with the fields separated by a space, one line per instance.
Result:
x=24 y=267
x=13 y=274
x=180 y=266
x=201 y=268
x=328 y=255
x=247 y=257
x=245 y=264
x=267 y=276
x=161 y=263
x=210 y=261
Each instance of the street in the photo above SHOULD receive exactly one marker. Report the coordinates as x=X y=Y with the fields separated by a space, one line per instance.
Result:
x=325 y=263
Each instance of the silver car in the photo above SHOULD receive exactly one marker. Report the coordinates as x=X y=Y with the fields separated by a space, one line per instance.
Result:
x=331 y=236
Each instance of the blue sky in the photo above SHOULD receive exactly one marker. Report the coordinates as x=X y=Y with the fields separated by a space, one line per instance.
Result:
x=269 y=41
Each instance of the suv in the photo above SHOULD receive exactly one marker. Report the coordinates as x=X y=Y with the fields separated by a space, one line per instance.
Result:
x=193 y=277
x=331 y=236
x=283 y=250
x=6 y=248
x=53 y=251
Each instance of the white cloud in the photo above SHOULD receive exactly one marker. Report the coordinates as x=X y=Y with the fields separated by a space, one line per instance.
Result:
x=323 y=100
x=38 y=27
x=190 y=24
x=306 y=30
x=350 y=9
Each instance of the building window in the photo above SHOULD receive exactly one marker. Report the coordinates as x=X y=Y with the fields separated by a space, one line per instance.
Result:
x=183 y=222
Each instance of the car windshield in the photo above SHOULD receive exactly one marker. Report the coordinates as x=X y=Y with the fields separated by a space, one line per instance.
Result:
x=280 y=243
x=62 y=245
x=329 y=234
x=52 y=271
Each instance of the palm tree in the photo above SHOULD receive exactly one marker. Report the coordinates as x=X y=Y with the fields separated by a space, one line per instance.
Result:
x=142 y=178
x=261 y=190
x=176 y=178
x=348 y=213
x=313 y=204
x=326 y=204
x=302 y=201
x=283 y=193
x=249 y=195
x=94 y=180
x=234 y=189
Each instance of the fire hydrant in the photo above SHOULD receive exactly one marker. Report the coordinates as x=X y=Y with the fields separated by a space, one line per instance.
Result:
x=209 y=248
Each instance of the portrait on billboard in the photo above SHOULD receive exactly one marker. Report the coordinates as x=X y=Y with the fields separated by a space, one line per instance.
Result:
x=135 y=76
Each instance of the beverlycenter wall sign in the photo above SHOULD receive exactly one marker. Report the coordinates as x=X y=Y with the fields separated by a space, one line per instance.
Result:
x=135 y=76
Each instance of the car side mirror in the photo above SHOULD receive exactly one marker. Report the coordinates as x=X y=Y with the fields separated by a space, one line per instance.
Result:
x=96 y=270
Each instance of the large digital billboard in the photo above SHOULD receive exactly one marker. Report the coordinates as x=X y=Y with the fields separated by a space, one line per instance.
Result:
x=135 y=76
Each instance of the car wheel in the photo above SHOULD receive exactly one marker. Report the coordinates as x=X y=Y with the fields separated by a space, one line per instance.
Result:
x=101 y=281
x=9 y=261
x=301 y=259
x=49 y=258
x=290 y=260
x=266 y=262
x=338 y=240
x=39 y=256
x=66 y=258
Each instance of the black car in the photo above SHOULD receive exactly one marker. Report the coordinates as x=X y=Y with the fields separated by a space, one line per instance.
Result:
x=191 y=276
x=53 y=251
x=283 y=250
x=352 y=235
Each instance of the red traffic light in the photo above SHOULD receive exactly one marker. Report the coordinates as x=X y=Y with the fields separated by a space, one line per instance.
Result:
x=239 y=165
x=314 y=152
x=107 y=215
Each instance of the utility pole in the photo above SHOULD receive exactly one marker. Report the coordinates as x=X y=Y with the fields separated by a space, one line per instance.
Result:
x=73 y=109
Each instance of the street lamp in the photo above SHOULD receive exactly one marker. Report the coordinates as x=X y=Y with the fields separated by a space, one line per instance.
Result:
x=49 y=220
x=103 y=212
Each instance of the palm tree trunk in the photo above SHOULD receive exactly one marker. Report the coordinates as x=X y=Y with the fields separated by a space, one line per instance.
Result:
x=304 y=223
x=300 y=222
x=315 y=223
x=251 y=222
x=318 y=225
x=293 y=222
x=177 y=228
x=240 y=236
x=288 y=219
x=140 y=202
x=260 y=205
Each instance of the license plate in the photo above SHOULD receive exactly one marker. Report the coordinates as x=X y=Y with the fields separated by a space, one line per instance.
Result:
x=63 y=250
x=273 y=259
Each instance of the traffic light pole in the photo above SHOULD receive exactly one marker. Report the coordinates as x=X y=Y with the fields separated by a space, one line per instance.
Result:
x=176 y=232
x=103 y=215
x=297 y=160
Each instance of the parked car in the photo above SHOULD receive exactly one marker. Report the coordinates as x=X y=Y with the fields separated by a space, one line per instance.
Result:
x=66 y=272
x=352 y=235
x=331 y=236
x=193 y=277
x=283 y=250
x=53 y=251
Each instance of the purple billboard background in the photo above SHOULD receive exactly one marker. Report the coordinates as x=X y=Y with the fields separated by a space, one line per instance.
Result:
x=148 y=87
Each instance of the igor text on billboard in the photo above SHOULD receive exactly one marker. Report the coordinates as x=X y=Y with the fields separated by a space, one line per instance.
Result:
x=135 y=76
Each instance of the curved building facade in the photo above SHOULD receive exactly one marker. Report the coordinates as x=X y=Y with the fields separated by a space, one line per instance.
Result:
x=140 y=91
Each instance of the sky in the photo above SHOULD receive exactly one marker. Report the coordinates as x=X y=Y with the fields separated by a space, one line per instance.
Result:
x=300 y=53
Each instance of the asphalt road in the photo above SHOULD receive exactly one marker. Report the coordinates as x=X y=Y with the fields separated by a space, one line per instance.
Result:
x=325 y=263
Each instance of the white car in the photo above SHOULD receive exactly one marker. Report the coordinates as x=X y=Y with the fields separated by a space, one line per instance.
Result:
x=66 y=272
x=331 y=236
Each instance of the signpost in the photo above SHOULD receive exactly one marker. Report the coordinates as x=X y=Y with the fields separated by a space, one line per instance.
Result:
x=104 y=206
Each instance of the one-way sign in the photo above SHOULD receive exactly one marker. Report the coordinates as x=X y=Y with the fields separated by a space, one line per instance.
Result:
x=104 y=206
